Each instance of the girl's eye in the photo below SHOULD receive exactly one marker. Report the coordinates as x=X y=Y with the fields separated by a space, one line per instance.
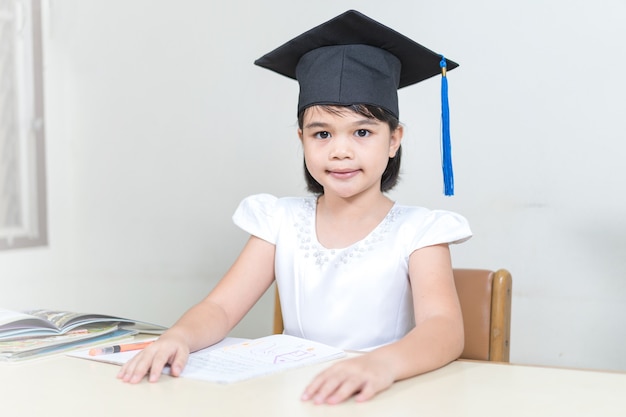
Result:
x=322 y=135
x=362 y=133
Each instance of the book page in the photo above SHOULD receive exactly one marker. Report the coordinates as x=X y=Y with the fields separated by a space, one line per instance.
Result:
x=257 y=357
x=32 y=343
x=59 y=318
x=234 y=360
x=109 y=337
x=67 y=320
x=16 y=320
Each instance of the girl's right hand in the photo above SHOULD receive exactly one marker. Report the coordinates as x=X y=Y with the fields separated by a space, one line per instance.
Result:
x=168 y=349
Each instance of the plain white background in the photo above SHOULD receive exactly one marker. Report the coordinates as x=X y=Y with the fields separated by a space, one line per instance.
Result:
x=158 y=124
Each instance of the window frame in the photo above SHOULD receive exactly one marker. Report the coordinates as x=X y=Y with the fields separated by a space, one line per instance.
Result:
x=30 y=167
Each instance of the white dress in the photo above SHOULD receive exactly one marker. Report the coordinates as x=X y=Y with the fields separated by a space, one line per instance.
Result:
x=358 y=297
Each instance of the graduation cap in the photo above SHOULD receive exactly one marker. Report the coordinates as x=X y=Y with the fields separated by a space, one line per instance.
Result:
x=353 y=59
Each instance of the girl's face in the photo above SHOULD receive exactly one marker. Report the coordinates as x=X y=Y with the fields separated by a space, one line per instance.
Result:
x=346 y=152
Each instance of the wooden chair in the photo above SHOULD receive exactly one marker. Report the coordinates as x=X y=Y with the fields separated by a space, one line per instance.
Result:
x=485 y=298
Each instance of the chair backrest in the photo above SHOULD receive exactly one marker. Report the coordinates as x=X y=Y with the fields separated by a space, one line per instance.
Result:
x=485 y=298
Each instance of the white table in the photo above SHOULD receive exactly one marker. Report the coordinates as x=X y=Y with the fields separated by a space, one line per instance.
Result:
x=64 y=386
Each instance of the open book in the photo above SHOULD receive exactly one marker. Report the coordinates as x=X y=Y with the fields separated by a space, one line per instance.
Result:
x=35 y=333
x=234 y=359
x=14 y=325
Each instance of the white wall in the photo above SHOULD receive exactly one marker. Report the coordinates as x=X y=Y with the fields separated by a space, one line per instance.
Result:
x=158 y=124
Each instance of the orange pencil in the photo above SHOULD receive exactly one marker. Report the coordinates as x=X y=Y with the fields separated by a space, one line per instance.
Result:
x=118 y=348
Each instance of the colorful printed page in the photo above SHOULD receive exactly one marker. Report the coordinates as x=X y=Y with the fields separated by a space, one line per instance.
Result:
x=108 y=337
x=17 y=320
x=36 y=323
x=33 y=343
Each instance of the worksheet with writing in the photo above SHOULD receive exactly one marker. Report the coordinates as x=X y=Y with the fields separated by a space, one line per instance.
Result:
x=234 y=359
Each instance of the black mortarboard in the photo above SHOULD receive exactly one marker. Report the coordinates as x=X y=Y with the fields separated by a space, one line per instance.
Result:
x=353 y=59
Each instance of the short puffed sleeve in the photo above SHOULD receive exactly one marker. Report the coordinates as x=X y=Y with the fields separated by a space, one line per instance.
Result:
x=434 y=227
x=259 y=215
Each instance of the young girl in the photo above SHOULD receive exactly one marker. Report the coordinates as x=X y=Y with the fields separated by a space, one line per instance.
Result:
x=354 y=269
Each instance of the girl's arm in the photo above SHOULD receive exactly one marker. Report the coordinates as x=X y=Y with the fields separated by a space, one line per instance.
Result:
x=436 y=340
x=211 y=319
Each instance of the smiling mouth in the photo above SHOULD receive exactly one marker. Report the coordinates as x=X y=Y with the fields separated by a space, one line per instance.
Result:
x=344 y=174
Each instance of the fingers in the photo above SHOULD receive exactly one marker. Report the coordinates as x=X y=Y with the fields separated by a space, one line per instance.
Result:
x=357 y=377
x=132 y=370
x=178 y=363
x=151 y=362
x=334 y=390
x=321 y=388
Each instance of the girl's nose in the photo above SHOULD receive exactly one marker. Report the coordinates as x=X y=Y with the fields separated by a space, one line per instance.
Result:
x=341 y=148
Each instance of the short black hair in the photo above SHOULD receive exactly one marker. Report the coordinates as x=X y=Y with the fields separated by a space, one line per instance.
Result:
x=392 y=172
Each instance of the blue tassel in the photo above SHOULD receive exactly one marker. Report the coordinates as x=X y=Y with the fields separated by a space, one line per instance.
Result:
x=446 y=148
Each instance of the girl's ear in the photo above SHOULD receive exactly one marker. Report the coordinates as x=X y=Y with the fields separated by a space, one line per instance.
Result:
x=395 y=140
x=300 y=134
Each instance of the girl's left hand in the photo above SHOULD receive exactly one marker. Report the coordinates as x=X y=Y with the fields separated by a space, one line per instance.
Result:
x=364 y=376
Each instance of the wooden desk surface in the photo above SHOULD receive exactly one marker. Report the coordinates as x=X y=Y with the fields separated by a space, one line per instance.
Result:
x=63 y=386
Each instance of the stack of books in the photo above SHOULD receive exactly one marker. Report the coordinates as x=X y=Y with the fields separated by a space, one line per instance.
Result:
x=36 y=333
